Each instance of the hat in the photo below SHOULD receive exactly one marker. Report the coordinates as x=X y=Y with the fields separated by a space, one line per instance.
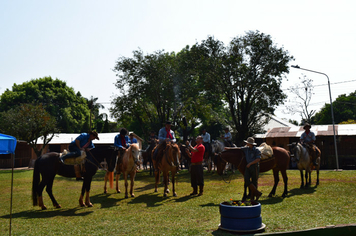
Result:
x=168 y=122
x=226 y=128
x=250 y=140
x=95 y=134
x=123 y=131
x=306 y=125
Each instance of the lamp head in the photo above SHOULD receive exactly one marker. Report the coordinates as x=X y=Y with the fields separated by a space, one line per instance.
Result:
x=295 y=66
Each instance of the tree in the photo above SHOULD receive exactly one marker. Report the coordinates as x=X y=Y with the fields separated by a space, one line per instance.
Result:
x=29 y=122
x=248 y=74
x=68 y=108
x=96 y=118
x=303 y=93
x=157 y=87
x=344 y=108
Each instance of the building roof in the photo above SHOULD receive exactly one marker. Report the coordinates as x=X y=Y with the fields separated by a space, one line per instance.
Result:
x=277 y=122
x=319 y=130
x=105 y=138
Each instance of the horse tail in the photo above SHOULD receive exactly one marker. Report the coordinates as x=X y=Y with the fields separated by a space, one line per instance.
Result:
x=35 y=182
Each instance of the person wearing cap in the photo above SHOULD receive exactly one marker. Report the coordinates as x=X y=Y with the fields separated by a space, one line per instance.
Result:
x=132 y=139
x=82 y=142
x=227 y=138
x=307 y=139
x=253 y=157
x=165 y=135
x=196 y=167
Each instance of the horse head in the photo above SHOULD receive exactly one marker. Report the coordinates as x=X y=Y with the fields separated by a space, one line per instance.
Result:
x=217 y=146
x=295 y=150
x=174 y=153
x=220 y=163
x=135 y=153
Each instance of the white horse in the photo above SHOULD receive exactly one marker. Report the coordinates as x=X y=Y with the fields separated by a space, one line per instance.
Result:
x=216 y=148
x=301 y=156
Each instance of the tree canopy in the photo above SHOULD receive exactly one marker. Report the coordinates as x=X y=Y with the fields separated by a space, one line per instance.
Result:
x=344 y=108
x=208 y=83
x=29 y=122
x=69 y=109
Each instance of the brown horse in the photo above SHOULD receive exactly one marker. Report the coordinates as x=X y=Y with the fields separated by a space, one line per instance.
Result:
x=279 y=163
x=129 y=164
x=301 y=156
x=168 y=163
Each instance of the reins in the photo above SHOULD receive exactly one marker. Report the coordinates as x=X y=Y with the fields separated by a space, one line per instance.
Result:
x=96 y=161
x=230 y=176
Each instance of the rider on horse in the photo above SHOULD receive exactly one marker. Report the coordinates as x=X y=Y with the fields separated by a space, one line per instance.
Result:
x=165 y=135
x=82 y=142
x=227 y=138
x=307 y=139
x=122 y=142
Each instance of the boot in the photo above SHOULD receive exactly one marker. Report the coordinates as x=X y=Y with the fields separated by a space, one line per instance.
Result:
x=195 y=191
x=77 y=172
x=254 y=192
x=201 y=190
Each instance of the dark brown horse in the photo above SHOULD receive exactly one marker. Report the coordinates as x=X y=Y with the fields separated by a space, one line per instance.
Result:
x=168 y=163
x=48 y=165
x=279 y=163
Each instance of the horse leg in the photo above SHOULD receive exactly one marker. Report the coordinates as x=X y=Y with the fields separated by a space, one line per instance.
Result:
x=317 y=174
x=165 y=181
x=276 y=181
x=306 y=178
x=105 y=181
x=126 y=185
x=285 y=180
x=50 y=194
x=156 y=180
x=302 y=179
x=132 y=177
x=39 y=192
x=117 y=183
x=309 y=173
x=173 y=184
x=244 y=197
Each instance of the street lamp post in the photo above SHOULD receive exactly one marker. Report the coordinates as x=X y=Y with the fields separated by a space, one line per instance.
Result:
x=332 y=111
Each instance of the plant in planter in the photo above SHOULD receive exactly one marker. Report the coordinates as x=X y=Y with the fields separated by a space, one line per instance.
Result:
x=239 y=216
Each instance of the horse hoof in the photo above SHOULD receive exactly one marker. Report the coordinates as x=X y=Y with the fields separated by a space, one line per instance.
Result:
x=105 y=191
x=89 y=205
x=126 y=196
x=44 y=207
x=174 y=194
x=270 y=195
x=118 y=191
x=165 y=195
x=156 y=190
x=167 y=191
x=57 y=206
x=132 y=195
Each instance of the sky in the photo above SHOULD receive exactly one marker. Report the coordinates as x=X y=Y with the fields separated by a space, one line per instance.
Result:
x=79 y=41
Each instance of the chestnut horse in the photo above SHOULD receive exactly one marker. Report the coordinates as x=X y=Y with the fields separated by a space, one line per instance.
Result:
x=49 y=164
x=168 y=163
x=301 y=156
x=279 y=163
x=130 y=161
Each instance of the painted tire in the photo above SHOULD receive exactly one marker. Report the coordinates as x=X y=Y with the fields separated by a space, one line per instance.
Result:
x=240 y=212
x=240 y=218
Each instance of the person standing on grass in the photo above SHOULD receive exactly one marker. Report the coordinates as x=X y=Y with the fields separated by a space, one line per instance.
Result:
x=196 y=171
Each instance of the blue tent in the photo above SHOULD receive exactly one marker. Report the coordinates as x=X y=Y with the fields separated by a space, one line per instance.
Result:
x=7 y=144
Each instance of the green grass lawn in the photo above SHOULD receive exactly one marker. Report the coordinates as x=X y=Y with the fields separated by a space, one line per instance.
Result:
x=149 y=213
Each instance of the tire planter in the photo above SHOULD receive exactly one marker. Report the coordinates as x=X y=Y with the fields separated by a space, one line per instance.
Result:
x=241 y=218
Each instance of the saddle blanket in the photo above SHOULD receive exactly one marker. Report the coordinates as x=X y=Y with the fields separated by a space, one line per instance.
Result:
x=266 y=151
x=74 y=160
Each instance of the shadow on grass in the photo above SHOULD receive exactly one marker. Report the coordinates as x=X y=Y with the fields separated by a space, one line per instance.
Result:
x=105 y=200
x=33 y=214
x=151 y=199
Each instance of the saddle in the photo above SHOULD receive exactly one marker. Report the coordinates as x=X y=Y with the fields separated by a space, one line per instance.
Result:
x=74 y=160
x=266 y=151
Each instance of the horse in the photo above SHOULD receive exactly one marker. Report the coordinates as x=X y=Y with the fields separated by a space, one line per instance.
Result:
x=301 y=155
x=184 y=156
x=147 y=155
x=216 y=147
x=279 y=163
x=130 y=161
x=49 y=164
x=168 y=163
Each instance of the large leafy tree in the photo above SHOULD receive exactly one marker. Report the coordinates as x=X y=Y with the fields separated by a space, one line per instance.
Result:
x=344 y=109
x=158 y=87
x=29 y=122
x=69 y=109
x=248 y=74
